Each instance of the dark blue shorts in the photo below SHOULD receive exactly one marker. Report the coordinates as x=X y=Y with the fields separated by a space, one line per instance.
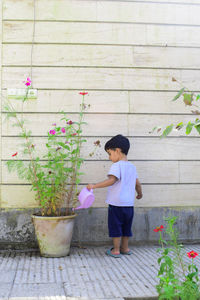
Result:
x=120 y=220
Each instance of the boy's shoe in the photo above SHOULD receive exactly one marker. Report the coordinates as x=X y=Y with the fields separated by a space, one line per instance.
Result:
x=127 y=253
x=108 y=252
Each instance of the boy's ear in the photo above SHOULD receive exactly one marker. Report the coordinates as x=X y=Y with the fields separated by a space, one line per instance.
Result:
x=118 y=150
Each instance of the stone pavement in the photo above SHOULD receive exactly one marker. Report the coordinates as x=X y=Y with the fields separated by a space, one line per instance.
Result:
x=86 y=274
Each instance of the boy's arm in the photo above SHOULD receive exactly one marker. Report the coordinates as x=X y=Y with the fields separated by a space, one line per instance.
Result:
x=138 y=189
x=110 y=181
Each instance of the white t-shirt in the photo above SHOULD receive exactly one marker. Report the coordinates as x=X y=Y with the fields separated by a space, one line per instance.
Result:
x=122 y=192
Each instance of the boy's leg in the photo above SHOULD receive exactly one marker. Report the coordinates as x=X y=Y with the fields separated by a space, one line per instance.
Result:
x=124 y=244
x=114 y=226
x=116 y=245
x=126 y=228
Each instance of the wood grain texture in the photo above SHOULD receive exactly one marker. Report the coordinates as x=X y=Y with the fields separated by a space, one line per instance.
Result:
x=101 y=56
x=106 y=11
x=150 y=172
x=154 y=196
x=142 y=148
x=101 y=78
x=102 y=124
x=148 y=102
x=101 y=33
x=125 y=55
x=0 y=83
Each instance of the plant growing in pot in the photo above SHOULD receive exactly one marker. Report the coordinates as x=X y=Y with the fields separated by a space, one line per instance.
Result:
x=54 y=176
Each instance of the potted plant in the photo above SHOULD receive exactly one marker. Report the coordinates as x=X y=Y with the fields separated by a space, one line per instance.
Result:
x=54 y=176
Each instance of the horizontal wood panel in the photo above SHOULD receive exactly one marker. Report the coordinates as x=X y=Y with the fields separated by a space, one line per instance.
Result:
x=112 y=11
x=170 y=1
x=40 y=124
x=189 y=171
x=148 y=172
x=68 y=55
x=0 y=76
x=101 y=78
x=141 y=148
x=101 y=33
x=153 y=196
x=69 y=101
x=99 y=55
x=102 y=102
x=157 y=102
x=101 y=124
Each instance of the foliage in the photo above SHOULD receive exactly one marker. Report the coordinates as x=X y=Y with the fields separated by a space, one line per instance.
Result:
x=176 y=279
x=189 y=99
x=54 y=175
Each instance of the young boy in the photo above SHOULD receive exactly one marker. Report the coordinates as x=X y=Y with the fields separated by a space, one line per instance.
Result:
x=122 y=182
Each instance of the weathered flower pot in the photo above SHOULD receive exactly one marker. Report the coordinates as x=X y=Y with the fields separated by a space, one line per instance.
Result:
x=54 y=234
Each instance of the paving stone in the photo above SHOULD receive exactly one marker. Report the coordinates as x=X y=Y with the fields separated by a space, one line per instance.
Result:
x=7 y=276
x=87 y=274
x=51 y=291
x=5 y=289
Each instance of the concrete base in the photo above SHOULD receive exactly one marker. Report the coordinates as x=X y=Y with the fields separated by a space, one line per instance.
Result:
x=17 y=231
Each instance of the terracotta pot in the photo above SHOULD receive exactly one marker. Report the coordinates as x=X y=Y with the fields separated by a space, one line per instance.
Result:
x=54 y=234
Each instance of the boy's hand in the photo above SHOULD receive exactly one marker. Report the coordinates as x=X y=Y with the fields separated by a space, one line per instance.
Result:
x=139 y=196
x=90 y=186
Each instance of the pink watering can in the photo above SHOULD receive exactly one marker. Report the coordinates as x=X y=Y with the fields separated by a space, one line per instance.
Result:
x=86 y=198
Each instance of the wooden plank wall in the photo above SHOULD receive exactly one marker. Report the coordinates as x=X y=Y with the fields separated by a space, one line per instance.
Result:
x=1 y=36
x=124 y=53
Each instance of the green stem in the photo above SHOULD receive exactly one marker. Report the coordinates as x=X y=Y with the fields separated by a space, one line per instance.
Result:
x=75 y=160
x=20 y=123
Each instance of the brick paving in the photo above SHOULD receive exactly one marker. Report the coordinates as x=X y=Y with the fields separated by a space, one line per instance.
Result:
x=86 y=274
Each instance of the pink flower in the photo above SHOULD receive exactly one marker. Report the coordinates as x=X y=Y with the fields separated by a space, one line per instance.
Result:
x=70 y=122
x=15 y=154
x=52 y=132
x=28 y=81
x=83 y=93
x=63 y=130
x=74 y=133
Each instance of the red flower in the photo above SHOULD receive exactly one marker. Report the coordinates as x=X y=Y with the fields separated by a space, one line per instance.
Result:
x=192 y=254
x=74 y=133
x=158 y=228
x=83 y=93
x=15 y=154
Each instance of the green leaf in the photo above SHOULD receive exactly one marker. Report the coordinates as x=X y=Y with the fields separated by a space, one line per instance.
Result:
x=159 y=260
x=61 y=144
x=197 y=127
x=179 y=94
x=187 y=99
x=189 y=127
x=179 y=125
x=167 y=130
x=198 y=97
x=66 y=147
